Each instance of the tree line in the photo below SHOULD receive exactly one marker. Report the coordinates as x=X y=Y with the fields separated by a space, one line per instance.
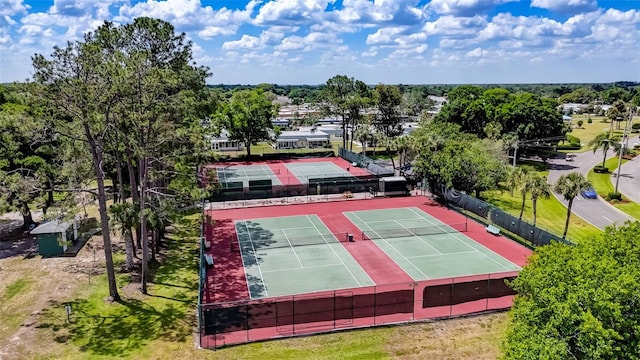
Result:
x=128 y=104
x=124 y=104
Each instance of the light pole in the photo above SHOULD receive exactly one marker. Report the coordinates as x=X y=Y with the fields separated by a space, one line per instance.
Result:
x=625 y=134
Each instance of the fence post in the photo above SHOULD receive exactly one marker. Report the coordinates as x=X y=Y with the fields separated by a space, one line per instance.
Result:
x=334 y=309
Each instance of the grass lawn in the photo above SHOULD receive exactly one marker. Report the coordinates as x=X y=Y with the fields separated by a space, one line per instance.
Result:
x=162 y=325
x=603 y=186
x=589 y=131
x=265 y=148
x=551 y=214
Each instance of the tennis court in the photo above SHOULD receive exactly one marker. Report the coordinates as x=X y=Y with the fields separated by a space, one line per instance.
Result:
x=424 y=247
x=317 y=170
x=234 y=175
x=295 y=254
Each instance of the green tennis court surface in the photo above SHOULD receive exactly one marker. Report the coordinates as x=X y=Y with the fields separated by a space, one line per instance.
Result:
x=236 y=174
x=424 y=247
x=317 y=170
x=295 y=254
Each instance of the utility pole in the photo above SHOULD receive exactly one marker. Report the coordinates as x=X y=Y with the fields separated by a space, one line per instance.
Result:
x=625 y=135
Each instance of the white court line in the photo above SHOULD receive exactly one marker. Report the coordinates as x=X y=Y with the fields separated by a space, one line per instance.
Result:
x=291 y=246
x=417 y=236
x=441 y=254
x=469 y=246
x=246 y=277
x=381 y=221
x=335 y=253
x=264 y=286
x=394 y=249
x=306 y=267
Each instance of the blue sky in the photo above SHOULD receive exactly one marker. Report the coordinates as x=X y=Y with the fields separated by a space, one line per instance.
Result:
x=376 y=41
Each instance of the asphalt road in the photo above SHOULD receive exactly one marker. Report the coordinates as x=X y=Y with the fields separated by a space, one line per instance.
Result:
x=629 y=183
x=596 y=211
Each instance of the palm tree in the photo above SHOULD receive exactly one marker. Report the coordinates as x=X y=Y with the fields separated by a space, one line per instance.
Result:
x=364 y=134
x=539 y=188
x=511 y=181
x=517 y=179
x=523 y=181
x=603 y=141
x=569 y=186
x=404 y=144
x=125 y=215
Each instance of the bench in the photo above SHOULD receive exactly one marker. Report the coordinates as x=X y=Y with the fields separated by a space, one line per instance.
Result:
x=492 y=230
x=209 y=259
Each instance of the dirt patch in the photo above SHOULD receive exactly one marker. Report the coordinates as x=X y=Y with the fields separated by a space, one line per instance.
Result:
x=464 y=338
x=51 y=282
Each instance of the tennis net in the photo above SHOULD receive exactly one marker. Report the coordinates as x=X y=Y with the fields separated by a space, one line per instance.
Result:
x=417 y=231
x=266 y=243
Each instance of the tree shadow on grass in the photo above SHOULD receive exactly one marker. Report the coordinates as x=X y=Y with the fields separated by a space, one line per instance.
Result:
x=124 y=328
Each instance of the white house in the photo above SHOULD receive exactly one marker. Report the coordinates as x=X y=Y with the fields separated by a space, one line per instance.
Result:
x=408 y=127
x=304 y=137
x=334 y=130
x=222 y=143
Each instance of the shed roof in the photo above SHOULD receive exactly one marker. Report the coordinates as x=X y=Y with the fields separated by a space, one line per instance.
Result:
x=393 y=178
x=51 y=227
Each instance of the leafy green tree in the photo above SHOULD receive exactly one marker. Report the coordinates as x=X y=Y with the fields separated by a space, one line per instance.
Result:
x=569 y=186
x=455 y=110
x=388 y=99
x=604 y=141
x=447 y=156
x=247 y=117
x=344 y=96
x=611 y=95
x=581 y=95
x=416 y=101
x=531 y=117
x=578 y=302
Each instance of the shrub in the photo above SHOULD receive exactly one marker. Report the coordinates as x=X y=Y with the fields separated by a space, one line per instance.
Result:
x=601 y=169
x=635 y=126
x=572 y=139
x=613 y=196
x=568 y=147
x=589 y=121
x=580 y=122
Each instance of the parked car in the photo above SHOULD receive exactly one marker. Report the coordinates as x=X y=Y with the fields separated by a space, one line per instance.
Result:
x=590 y=194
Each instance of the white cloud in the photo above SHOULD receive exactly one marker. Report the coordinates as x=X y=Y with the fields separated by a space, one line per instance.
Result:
x=267 y=38
x=464 y=7
x=314 y=40
x=12 y=7
x=287 y=12
x=566 y=6
x=457 y=26
x=384 y=35
x=190 y=15
x=397 y=12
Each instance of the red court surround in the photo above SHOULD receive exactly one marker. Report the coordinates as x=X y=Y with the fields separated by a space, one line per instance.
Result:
x=267 y=318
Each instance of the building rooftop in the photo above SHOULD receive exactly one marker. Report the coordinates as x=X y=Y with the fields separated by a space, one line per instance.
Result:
x=51 y=227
